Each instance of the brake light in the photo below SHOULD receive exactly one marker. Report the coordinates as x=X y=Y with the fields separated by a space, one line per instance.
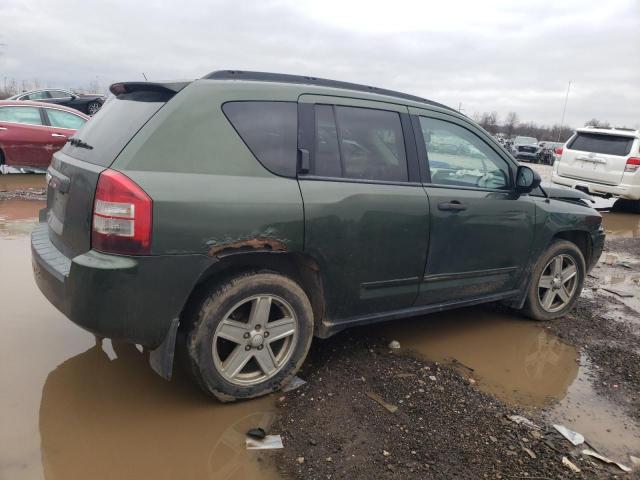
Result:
x=633 y=164
x=559 y=151
x=122 y=216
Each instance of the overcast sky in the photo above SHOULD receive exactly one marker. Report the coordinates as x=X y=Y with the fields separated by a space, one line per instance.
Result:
x=501 y=55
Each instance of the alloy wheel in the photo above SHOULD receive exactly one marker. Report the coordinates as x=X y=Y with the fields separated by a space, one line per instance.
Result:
x=93 y=107
x=255 y=339
x=558 y=283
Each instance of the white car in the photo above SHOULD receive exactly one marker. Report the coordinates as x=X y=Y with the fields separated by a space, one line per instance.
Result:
x=603 y=162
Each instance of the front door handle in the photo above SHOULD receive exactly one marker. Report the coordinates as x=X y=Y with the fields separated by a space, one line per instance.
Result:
x=58 y=135
x=452 y=206
x=3 y=128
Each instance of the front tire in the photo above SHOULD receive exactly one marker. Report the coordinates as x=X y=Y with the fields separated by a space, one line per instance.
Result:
x=556 y=281
x=249 y=336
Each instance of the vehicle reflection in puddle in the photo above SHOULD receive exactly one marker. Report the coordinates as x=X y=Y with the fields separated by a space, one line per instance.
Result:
x=18 y=217
x=102 y=413
x=515 y=359
x=623 y=225
x=102 y=418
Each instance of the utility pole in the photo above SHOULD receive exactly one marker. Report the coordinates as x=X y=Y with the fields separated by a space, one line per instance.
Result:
x=564 y=109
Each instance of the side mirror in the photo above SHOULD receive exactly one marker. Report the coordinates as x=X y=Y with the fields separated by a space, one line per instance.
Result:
x=527 y=179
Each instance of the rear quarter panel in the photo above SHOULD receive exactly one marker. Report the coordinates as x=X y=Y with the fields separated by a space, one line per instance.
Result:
x=211 y=195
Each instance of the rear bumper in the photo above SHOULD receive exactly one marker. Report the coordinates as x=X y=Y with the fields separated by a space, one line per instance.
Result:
x=527 y=155
x=631 y=192
x=132 y=299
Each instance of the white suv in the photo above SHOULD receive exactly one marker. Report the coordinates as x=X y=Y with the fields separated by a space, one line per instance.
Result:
x=603 y=162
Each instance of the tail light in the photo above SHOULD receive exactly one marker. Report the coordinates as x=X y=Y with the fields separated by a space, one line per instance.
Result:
x=122 y=216
x=558 y=151
x=633 y=164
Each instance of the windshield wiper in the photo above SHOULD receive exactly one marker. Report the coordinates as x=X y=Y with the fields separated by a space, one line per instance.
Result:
x=76 y=142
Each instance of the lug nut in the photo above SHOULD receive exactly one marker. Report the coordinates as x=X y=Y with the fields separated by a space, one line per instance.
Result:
x=266 y=334
x=258 y=327
x=246 y=335
x=260 y=347
x=247 y=348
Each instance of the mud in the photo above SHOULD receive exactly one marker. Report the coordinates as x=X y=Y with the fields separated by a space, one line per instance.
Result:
x=517 y=361
x=31 y=187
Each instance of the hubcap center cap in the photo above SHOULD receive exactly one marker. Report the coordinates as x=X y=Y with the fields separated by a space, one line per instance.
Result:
x=256 y=339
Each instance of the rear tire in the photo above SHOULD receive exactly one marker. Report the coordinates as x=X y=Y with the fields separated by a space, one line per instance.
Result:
x=249 y=336
x=624 y=205
x=556 y=281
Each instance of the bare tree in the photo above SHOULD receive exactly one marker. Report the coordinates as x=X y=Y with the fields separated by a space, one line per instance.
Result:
x=594 y=122
x=489 y=121
x=510 y=123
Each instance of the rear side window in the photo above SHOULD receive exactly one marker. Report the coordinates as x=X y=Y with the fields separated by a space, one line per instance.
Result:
x=359 y=143
x=27 y=115
x=270 y=130
x=604 y=144
x=115 y=124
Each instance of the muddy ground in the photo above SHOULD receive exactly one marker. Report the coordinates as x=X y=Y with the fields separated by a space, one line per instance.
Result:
x=72 y=409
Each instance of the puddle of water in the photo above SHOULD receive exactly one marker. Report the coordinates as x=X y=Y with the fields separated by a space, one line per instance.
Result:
x=512 y=358
x=621 y=225
x=604 y=425
x=522 y=364
x=71 y=410
x=22 y=182
x=18 y=216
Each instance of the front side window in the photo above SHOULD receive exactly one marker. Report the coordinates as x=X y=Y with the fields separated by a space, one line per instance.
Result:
x=61 y=119
x=270 y=130
x=27 y=115
x=359 y=143
x=458 y=157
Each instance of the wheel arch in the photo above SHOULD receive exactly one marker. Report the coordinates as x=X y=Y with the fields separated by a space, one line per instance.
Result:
x=300 y=267
x=579 y=238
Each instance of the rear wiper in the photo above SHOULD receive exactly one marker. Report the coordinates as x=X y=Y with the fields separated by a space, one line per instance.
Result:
x=76 y=142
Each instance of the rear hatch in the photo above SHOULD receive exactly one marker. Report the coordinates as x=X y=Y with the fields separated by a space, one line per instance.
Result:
x=596 y=156
x=74 y=171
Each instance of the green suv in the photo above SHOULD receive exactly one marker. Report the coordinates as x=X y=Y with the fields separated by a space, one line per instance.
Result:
x=235 y=217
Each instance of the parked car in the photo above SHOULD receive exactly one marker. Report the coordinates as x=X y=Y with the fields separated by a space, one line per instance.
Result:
x=237 y=216
x=603 y=162
x=86 y=103
x=525 y=148
x=30 y=132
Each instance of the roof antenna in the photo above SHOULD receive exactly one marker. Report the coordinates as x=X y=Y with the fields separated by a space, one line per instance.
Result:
x=145 y=77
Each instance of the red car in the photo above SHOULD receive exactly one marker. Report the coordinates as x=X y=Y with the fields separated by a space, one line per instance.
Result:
x=30 y=132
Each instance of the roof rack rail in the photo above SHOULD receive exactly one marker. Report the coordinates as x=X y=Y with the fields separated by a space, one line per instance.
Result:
x=322 y=82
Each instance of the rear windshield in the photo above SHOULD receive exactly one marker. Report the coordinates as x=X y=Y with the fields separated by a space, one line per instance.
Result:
x=599 y=143
x=109 y=131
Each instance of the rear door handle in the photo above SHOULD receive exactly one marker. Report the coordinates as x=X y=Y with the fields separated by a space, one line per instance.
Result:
x=3 y=128
x=58 y=135
x=452 y=206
